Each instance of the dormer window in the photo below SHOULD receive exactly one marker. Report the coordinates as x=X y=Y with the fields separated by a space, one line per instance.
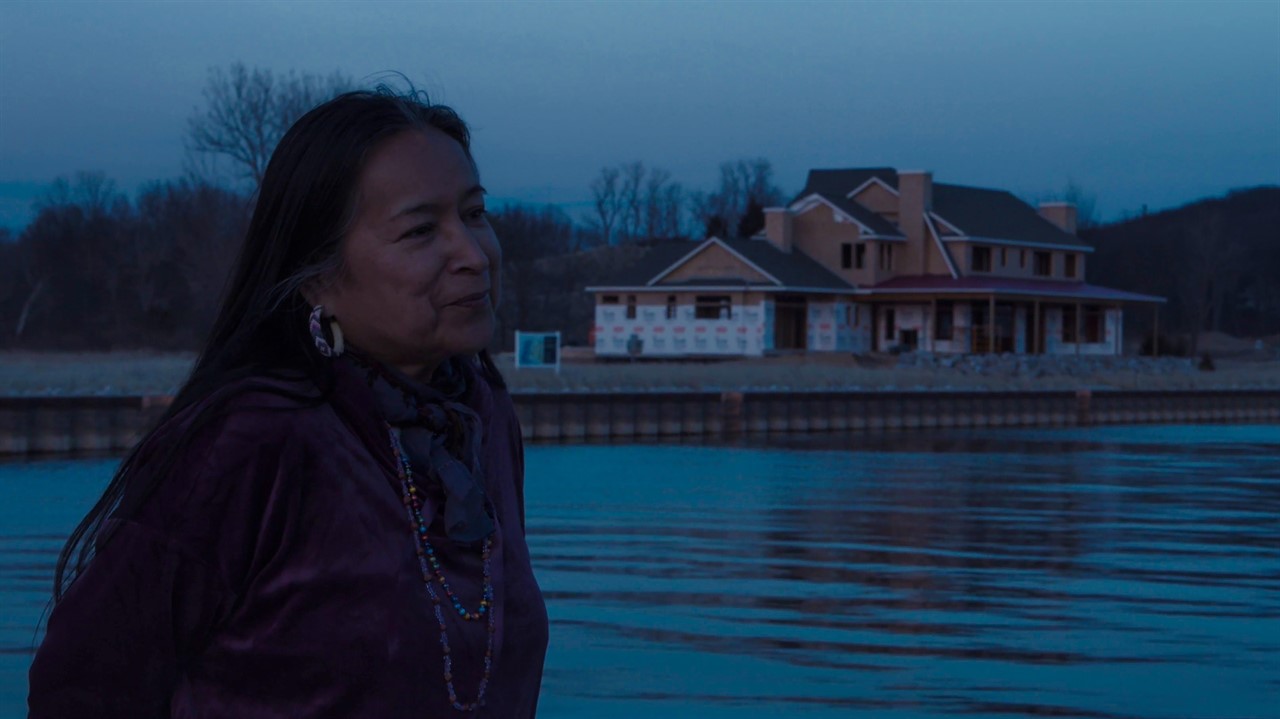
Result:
x=1044 y=264
x=1071 y=265
x=981 y=259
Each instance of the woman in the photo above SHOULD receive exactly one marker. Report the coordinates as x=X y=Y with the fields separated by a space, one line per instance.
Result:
x=329 y=521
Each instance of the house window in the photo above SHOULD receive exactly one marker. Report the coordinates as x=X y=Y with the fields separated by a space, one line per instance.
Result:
x=712 y=307
x=860 y=256
x=846 y=256
x=943 y=322
x=631 y=307
x=608 y=299
x=1022 y=259
x=671 y=307
x=857 y=315
x=1044 y=264
x=1070 y=270
x=889 y=323
x=981 y=259
x=1095 y=318
x=1004 y=257
x=1069 y=323
x=886 y=256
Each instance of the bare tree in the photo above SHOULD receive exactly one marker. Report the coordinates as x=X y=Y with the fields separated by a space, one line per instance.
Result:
x=185 y=239
x=247 y=111
x=631 y=194
x=706 y=215
x=634 y=204
x=608 y=203
x=532 y=296
x=69 y=255
x=743 y=184
x=657 y=211
x=34 y=285
x=669 y=207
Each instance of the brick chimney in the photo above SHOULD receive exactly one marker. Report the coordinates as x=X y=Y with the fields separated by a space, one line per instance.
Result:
x=1062 y=214
x=778 y=225
x=915 y=197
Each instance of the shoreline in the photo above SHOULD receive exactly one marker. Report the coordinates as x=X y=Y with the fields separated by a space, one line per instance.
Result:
x=129 y=374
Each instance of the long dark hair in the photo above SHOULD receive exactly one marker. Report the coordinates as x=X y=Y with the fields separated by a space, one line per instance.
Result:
x=305 y=205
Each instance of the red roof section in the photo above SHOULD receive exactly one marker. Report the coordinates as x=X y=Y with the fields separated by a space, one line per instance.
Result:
x=1007 y=285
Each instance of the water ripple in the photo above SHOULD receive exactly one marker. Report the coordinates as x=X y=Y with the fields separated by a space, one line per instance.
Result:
x=1104 y=573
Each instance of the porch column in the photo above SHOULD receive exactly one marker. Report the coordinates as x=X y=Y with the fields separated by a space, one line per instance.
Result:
x=1078 y=312
x=933 y=331
x=1035 y=328
x=1155 y=333
x=1117 y=332
x=874 y=311
x=991 y=325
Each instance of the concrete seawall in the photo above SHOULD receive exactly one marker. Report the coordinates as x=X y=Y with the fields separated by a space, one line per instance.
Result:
x=75 y=425
x=561 y=417
x=80 y=425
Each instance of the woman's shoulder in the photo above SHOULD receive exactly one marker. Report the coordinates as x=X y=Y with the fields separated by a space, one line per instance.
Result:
x=249 y=412
x=220 y=469
x=238 y=443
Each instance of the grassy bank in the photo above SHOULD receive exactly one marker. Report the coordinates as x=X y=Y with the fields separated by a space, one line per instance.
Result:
x=140 y=373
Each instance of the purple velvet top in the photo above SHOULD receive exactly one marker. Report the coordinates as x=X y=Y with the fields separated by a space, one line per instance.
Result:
x=274 y=574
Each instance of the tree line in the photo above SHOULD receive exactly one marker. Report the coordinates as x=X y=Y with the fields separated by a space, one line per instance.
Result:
x=97 y=269
x=1216 y=261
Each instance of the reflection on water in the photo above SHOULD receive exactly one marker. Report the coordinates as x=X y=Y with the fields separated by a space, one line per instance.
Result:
x=1108 y=572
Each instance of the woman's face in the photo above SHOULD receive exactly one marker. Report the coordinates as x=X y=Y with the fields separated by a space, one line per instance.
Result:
x=421 y=263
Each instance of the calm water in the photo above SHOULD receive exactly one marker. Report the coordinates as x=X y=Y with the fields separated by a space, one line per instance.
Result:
x=1108 y=572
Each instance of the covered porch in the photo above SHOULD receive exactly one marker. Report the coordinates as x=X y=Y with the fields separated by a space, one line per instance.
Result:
x=997 y=316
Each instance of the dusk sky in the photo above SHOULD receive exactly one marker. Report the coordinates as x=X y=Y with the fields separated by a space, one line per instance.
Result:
x=1152 y=104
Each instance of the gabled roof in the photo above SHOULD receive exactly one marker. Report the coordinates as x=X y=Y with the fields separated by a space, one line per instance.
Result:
x=840 y=182
x=978 y=212
x=794 y=269
x=703 y=247
x=997 y=215
x=791 y=270
x=832 y=186
x=872 y=182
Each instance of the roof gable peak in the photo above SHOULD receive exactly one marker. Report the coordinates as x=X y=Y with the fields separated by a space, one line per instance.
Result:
x=703 y=247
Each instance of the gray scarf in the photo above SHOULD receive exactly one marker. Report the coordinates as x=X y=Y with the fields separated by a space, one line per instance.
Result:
x=442 y=438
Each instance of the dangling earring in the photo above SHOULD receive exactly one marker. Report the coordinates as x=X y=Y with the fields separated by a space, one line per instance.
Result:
x=316 y=325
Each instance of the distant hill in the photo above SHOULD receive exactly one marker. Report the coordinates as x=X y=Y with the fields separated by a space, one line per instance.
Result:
x=1216 y=260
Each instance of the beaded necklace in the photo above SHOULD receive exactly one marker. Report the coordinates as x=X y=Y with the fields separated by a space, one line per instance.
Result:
x=431 y=575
